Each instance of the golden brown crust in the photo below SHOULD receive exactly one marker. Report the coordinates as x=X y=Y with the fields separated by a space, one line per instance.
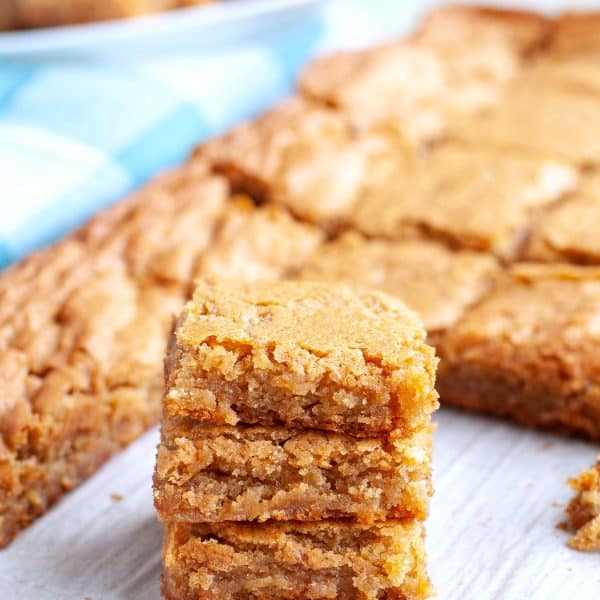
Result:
x=82 y=332
x=253 y=244
x=470 y=197
x=437 y=283
x=528 y=350
x=569 y=231
x=285 y=352
x=584 y=510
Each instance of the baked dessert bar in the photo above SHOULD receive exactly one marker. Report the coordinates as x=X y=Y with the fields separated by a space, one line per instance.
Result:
x=584 y=510
x=304 y=355
x=83 y=328
x=438 y=283
x=252 y=244
x=528 y=351
x=255 y=473
x=469 y=197
x=292 y=155
x=571 y=231
x=331 y=559
x=458 y=64
x=565 y=125
x=48 y=13
x=473 y=198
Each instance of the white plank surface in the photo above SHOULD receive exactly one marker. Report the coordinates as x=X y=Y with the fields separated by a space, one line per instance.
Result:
x=499 y=494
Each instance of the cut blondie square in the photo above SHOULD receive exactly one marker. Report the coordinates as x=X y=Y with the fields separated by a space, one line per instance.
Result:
x=257 y=243
x=254 y=473
x=308 y=561
x=528 y=351
x=303 y=355
x=570 y=231
x=469 y=197
x=436 y=282
x=292 y=154
x=457 y=64
x=83 y=330
x=584 y=510
x=566 y=125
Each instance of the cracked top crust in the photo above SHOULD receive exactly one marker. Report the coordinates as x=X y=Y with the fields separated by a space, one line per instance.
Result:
x=305 y=353
x=571 y=230
x=542 y=321
x=436 y=282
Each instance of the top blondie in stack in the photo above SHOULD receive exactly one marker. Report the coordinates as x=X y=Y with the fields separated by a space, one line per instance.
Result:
x=457 y=169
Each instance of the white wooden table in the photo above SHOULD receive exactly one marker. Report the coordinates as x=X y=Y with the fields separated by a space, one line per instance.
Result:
x=492 y=534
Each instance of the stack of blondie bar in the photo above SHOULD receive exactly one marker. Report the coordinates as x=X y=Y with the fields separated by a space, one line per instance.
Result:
x=296 y=439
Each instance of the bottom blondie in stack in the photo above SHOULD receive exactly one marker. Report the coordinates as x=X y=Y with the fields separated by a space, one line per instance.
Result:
x=295 y=452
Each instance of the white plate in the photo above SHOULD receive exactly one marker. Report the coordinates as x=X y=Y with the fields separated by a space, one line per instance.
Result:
x=196 y=27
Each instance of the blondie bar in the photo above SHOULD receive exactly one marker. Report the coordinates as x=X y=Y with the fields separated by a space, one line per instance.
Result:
x=252 y=244
x=255 y=473
x=458 y=64
x=470 y=197
x=292 y=155
x=316 y=355
x=584 y=510
x=438 y=283
x=528 y=351
x=569 y=232
x=83 y=328
x=331 y=559
x=565 y=125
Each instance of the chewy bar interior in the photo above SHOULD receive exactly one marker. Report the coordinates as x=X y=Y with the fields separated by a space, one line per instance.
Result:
x=291 y=560
x=310 y=355
x=248 y=473
x=295 y=454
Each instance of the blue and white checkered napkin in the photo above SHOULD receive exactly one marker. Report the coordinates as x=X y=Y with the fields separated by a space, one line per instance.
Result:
x=76 y=134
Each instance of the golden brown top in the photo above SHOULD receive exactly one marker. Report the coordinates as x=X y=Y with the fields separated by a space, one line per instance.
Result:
x=475 y=198
x=571 y=230
x=542 y=318
x=89 y=316
x=437 y=283
x=332 y=320
x=257 y=243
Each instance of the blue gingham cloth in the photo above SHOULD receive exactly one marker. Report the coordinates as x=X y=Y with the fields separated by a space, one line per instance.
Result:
x=77 y=133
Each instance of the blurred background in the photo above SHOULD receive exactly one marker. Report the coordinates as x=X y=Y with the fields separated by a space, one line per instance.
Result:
x=89 y=112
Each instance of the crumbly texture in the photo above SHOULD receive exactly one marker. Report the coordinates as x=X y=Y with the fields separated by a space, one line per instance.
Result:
x=437 y=283
x=49 y=13
x=253 y=244
x=292 y=155
x=569 y=232
x=528 y=351
x=304 y=354
x=312 y=561
x=584 y=510
x=469 y=197
x=83 y=328
x=458 y=64
x=254 y=473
